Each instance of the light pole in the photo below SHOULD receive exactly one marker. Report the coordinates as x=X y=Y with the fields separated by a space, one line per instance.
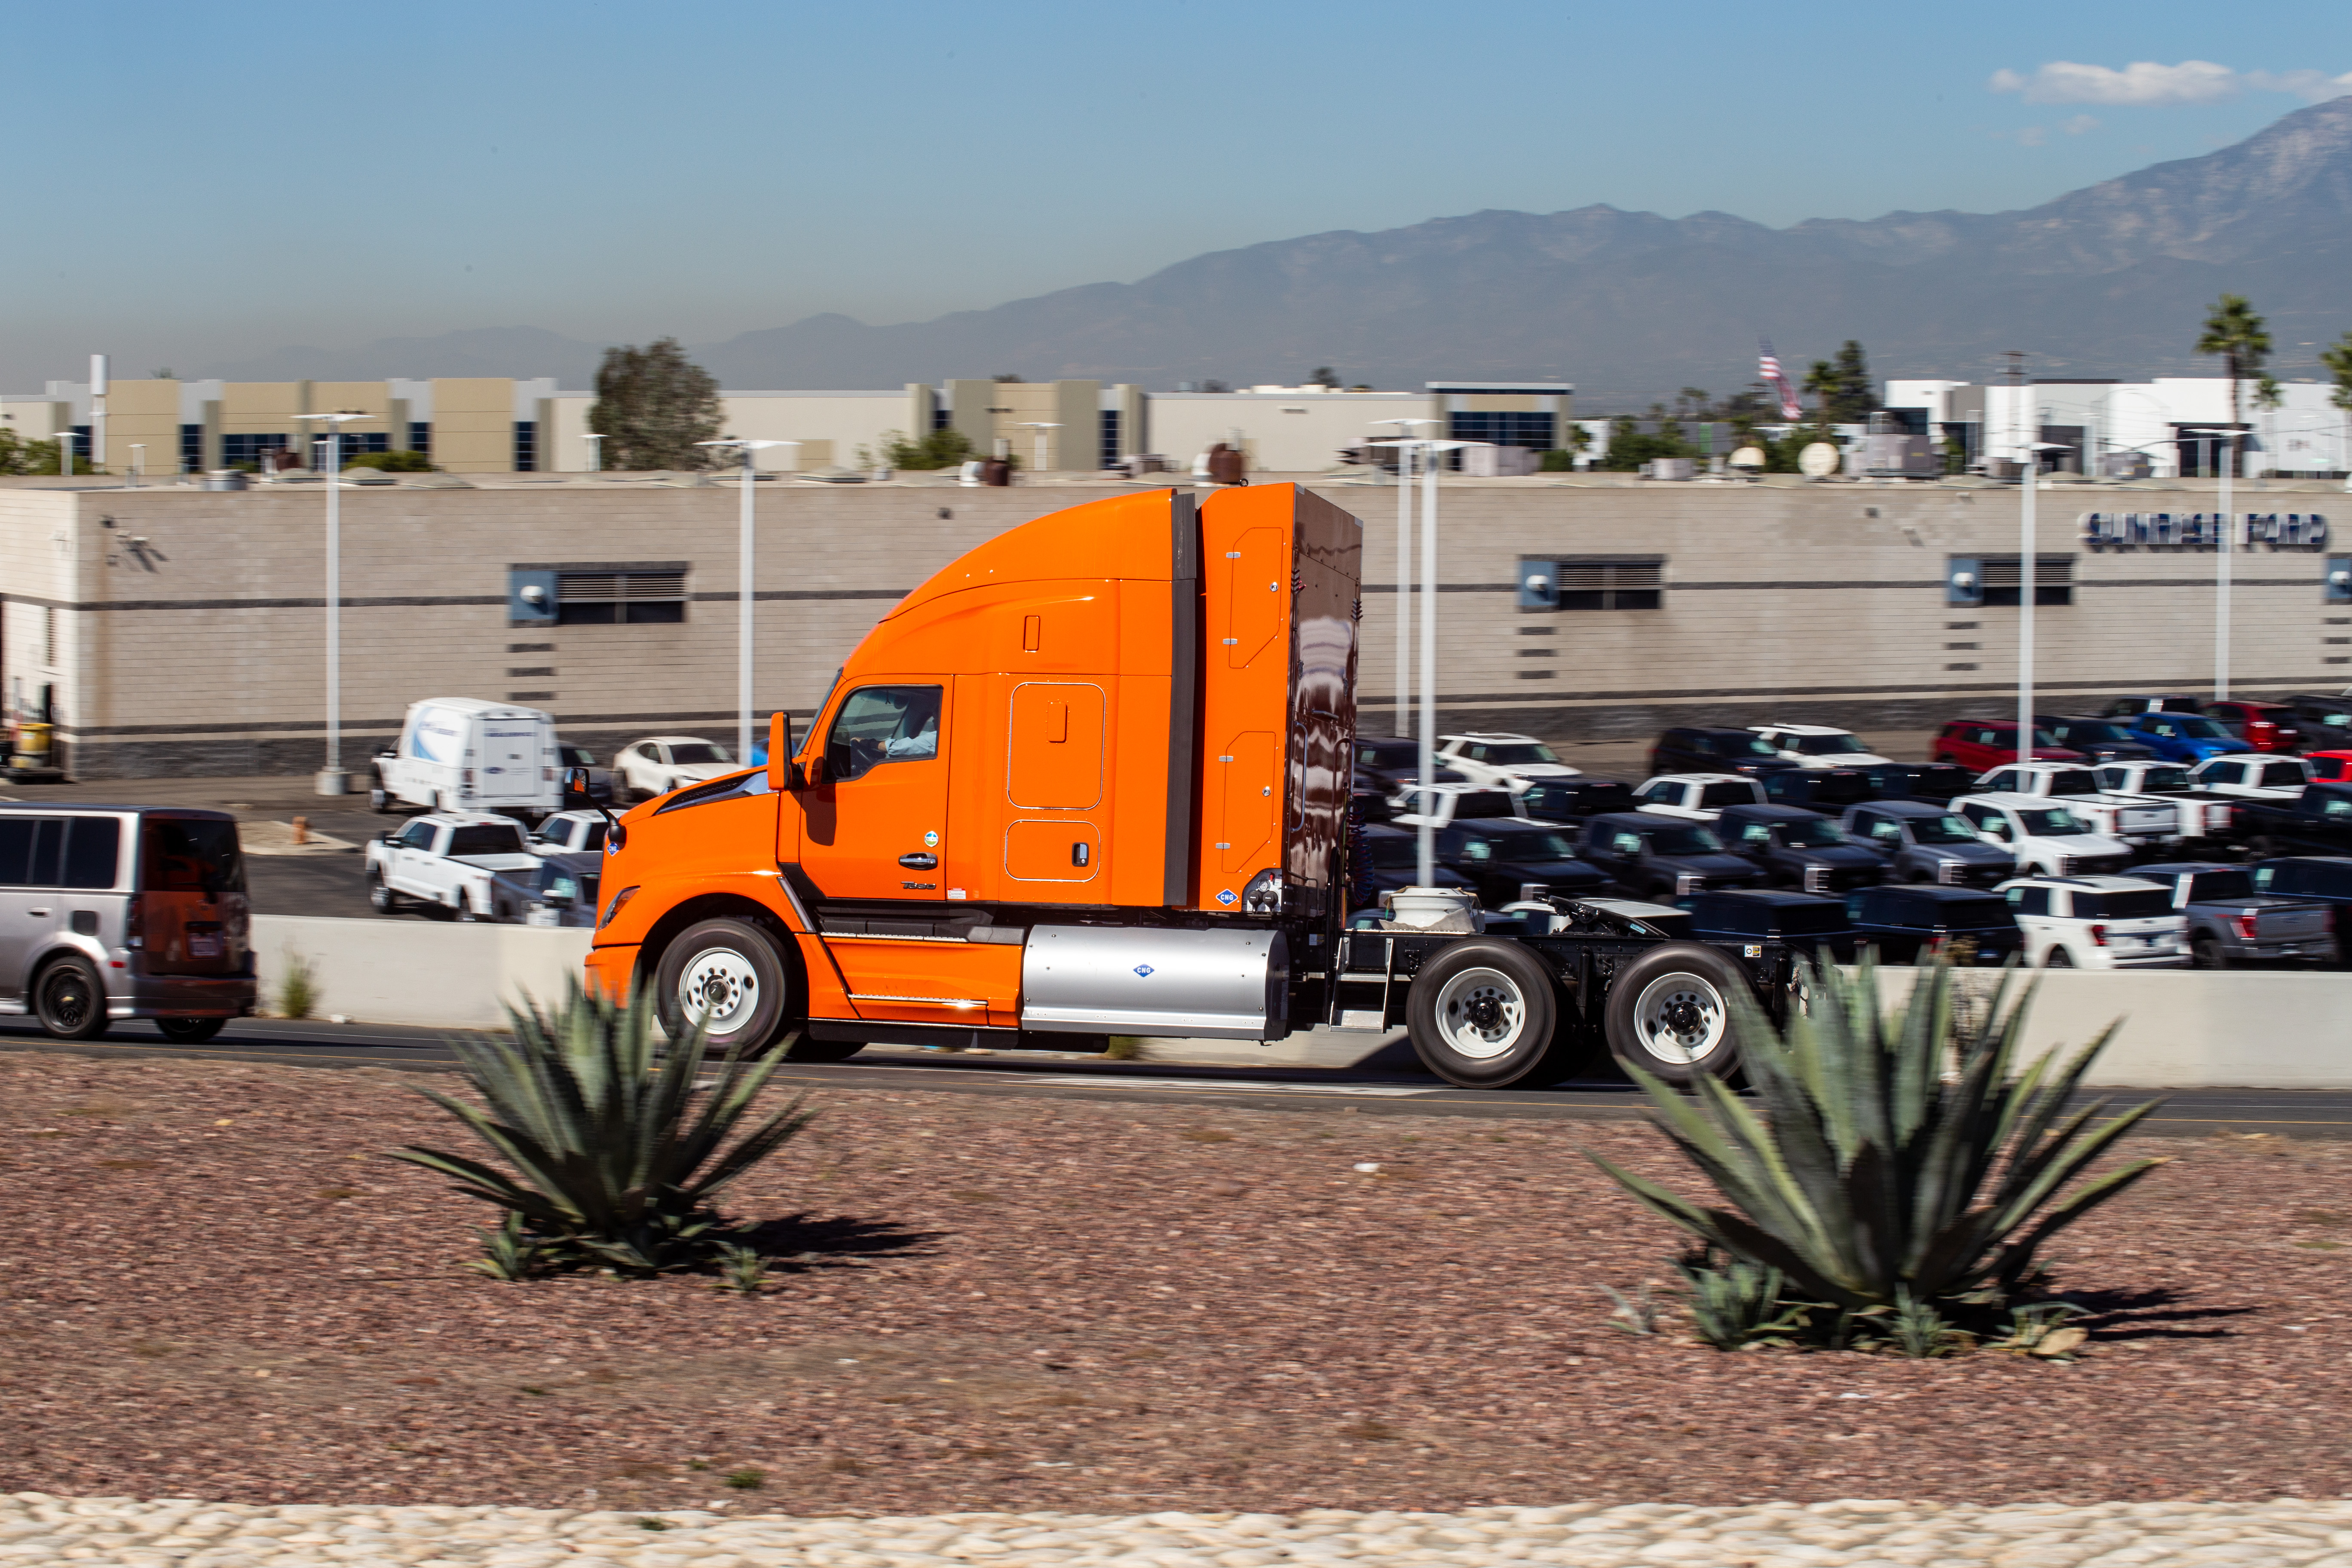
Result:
x=1038 y=446
x=97 y=412
x=2027 y=571
x=595 y=453
x=1404 y=568
x=745 y=539
x=2228 y=439
x=331 y=779
x=138 y=461
x=1426 y=863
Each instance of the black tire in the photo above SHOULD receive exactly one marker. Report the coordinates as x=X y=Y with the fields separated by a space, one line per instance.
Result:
x=2057 y=957
x=464 y=911
x=191 y=1031
x=1669 y=1013
x=379 y=799
x=807 y=1050
x=2204 y=952
x=1484 y=1014
x=69 y=999
x=740 y=977
x=381 y=898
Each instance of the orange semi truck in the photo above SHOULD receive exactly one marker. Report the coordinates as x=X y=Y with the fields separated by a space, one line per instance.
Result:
x=1092 y=779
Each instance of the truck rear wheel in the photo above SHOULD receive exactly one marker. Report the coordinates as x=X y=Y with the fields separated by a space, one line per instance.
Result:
x=728 y=977
x=1481 y=1014
x=1669 y=1013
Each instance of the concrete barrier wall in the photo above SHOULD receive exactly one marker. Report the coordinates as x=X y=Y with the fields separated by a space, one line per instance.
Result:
x=2194 y=1028
x=418 y=971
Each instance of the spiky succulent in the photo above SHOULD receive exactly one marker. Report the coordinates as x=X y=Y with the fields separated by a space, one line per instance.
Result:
x=1866 y=1176
x=615 y=1155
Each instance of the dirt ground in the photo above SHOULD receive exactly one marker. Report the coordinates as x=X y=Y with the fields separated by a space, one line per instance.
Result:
x=213 y=1285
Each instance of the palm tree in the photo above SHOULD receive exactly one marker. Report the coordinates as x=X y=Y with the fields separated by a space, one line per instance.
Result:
x=2243 y=342
x=2338 y=361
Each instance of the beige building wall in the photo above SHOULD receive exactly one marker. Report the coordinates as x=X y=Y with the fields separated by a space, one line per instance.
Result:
x=1282 y=432
x=1823 y=603
x=34 y=418
x=145 y=413
x=473 y=425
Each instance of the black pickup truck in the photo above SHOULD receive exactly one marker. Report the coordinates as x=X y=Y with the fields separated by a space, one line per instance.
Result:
x=2317 y=822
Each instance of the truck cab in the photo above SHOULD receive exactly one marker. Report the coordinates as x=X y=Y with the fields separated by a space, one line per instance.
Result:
x=2253 y=776
x=2138 y=820
x=1697 y=797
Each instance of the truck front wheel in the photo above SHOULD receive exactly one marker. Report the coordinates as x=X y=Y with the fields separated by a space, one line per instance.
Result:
x=1669 y=1013
x=1481 y=1014
x=727 y=976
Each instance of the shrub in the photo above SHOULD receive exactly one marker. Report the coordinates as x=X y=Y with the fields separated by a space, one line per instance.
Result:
x=298 y=992
x=936 y=449
x=616 y=1157
x=1875 y=1184
x=392 y=462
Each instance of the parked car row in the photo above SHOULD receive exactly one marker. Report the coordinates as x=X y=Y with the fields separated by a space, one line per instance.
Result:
x=466 y=755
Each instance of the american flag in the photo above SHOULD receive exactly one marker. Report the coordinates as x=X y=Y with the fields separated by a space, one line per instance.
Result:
x=1778 y=380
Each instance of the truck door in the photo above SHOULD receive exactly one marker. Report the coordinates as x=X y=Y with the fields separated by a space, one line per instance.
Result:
x=876 y=823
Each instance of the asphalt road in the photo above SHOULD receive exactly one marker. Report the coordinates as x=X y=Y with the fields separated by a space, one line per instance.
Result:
x=2194 y=1113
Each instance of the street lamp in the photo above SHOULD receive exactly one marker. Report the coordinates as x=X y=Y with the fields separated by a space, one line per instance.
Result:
x=1041 y=427
x=331 y=779
x=1425 y=866
x=1404 y=568
x=595 y=453
x=138 y=461
x=2027 y=571
x=2228 y=439
x=743 y=555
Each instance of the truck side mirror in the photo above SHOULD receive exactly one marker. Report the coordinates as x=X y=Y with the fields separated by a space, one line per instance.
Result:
x=575 y=790
x=782 y=774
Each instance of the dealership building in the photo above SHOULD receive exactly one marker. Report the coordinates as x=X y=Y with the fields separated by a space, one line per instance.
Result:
x=169 y=629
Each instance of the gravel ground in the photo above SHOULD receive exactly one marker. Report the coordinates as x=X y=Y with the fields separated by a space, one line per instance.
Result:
x=215 y=1287
x=35 y=1528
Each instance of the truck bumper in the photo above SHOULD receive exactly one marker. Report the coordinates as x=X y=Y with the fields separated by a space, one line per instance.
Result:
x=183 y=996
x=611 y=969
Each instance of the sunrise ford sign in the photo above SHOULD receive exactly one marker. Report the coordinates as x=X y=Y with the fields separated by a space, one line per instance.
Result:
x=2202 y=529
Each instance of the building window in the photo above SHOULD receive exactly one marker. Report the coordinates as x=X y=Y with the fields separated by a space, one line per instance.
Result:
x=2004 y=580
x=81 y=441
x=526 y=450
x=192 y=448
x=420 y=437
x=1109 y=447
x=941 y=416
x=353 y=444
x=619 y=598
x=243 y=450
x=1536 y=431
x=1611 y=584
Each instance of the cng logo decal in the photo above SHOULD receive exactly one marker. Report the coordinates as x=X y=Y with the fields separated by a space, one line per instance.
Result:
x=930 y=840
x=1143 y=970
x=1224 y=895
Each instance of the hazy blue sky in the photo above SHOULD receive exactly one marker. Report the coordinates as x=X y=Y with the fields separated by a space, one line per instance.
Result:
x=193 y=183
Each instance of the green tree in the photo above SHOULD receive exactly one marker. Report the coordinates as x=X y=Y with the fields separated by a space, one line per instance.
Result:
x=2243 y=340
x=18 y=455
x=1324 y=375
x=1842 y=392
x=1630 y=447
x=942 y=448
x=2338 y=361
x=652 y=405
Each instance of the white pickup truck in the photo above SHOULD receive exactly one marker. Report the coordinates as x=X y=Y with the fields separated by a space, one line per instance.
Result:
x=2046 y=836
x=446 y=860
x=2253 y=776
x=2139 y=820
x=2206 y=815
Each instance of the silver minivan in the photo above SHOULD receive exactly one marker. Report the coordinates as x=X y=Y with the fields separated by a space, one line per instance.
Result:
x=123 y=911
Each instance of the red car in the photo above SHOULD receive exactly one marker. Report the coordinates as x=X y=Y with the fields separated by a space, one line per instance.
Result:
x=1980 y=744
x=2333 y=767
x=2265 y=726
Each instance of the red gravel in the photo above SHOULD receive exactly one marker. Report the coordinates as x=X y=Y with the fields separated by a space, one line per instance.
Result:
x=212 y=1287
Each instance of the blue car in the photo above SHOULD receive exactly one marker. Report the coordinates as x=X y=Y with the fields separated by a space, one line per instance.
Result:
x=2190 y=738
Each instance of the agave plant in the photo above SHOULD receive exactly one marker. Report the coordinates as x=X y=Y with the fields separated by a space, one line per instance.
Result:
x=1869 y=1179
x=616 y=1157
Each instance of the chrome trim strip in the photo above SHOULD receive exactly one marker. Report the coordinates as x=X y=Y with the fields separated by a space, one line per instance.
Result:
x=924 y=1001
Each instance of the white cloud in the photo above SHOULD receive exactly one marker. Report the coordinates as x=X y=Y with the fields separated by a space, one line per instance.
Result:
x=2032 y=136
x=2145 y=84
x=2080 y=125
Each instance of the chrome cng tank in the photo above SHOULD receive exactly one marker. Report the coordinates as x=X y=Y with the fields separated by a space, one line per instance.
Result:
x=1141 y=980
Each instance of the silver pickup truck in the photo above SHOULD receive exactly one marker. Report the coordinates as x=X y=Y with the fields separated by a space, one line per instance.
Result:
x=2229 y=923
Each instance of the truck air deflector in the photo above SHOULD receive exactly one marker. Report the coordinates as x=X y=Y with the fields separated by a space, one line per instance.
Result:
x=1136 y=980
x=1183 y=691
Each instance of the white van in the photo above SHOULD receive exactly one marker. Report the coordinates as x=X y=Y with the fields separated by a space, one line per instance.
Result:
x=461 y=753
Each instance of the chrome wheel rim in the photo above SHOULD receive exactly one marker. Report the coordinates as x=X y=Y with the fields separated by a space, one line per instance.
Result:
x=1681 y=1020
x=1481 y=1014
x=717 y=991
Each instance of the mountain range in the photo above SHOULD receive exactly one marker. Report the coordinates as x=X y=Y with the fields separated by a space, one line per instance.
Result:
x=2110 y=280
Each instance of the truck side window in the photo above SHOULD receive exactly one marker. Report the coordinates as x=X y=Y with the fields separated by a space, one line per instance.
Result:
x=417 y=835
x=2030 y=901
x=880 y=724
x=1626 y=844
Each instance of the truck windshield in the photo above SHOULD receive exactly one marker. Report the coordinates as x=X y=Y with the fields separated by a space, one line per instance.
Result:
x=1946 y=829
x=2196 y=728
x=1726 y=794
x=2138 y=904
x=486 y=838
x=1685 y=839
x=1519 y=756
x=1826 y=745
x=1476 y=803
x=2164 y=781
x=2074 y=781
x=1744 y=745
x=577 y=756
x=2284 y=775
x=1538 y=846
x=1809 y=834
x=185 y=854
x=2056 y=819
x=2208 y=885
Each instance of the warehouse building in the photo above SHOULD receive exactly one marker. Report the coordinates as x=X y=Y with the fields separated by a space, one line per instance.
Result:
x=179 y=631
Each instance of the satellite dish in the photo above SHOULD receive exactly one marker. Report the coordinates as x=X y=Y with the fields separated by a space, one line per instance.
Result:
x=1749 y=457
x=1819 y=461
